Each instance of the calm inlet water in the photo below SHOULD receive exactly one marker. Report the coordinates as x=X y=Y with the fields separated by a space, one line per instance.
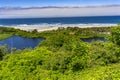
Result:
x=94 y=39
x=20 y=42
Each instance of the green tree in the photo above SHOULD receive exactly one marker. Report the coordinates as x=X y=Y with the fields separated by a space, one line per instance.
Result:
x=3 y=51
x=115 y=35
x=34 y=31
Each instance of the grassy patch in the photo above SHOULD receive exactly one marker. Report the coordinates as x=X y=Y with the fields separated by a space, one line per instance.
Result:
x=4 y=36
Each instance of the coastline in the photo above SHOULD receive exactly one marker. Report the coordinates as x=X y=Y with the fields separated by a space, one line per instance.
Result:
x=41 y=28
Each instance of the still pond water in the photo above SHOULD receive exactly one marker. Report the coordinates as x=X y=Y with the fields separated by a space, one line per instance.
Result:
x=89 y=40
x=21 y=42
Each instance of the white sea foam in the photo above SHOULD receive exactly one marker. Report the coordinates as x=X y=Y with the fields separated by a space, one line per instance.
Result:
x=65 y=25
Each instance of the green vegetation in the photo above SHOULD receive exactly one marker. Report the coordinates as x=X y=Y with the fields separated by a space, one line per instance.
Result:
x=81 y=32
x=3 y=51
x=63 y=56
x=4 y=36
x=18 y=32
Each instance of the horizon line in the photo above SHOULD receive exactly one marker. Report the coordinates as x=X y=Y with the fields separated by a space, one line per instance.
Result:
x=62 y=17
x=53 y=6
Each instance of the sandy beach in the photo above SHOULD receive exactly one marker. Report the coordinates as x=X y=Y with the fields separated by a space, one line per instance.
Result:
x=41 y=28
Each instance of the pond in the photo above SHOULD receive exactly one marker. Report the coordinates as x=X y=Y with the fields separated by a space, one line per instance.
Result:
x=21 y=42
x=89 y=40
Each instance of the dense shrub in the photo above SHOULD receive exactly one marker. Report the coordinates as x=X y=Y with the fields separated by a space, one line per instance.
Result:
x=21 y=66
x=115 y=35
x=104 y=53
x=3 y=51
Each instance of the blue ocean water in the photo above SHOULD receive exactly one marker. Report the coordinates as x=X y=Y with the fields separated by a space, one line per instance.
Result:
x=62 y=20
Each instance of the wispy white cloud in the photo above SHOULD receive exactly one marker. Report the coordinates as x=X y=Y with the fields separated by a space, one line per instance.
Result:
x=61 y=12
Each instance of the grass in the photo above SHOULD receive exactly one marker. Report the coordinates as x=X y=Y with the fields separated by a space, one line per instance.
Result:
x=4 y=36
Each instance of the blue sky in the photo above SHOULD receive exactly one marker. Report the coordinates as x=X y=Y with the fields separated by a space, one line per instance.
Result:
x=30 y=3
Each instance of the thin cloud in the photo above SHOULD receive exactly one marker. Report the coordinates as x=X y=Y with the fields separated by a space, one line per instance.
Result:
x=61 y=12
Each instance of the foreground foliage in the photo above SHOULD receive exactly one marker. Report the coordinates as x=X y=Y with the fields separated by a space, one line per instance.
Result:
x=63 y=56
x=42 y=64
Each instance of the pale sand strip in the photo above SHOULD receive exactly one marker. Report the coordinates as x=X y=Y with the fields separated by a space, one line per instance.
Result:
x=39 y=29
x=48 y=28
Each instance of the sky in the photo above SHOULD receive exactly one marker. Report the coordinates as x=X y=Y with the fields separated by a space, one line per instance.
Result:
x=33 y=3
x=59 y=12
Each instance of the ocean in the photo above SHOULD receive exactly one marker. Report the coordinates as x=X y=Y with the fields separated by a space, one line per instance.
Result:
x=67 y=21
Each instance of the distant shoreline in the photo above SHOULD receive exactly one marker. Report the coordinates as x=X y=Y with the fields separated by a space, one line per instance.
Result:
x=49 y=28
x=45 y=24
